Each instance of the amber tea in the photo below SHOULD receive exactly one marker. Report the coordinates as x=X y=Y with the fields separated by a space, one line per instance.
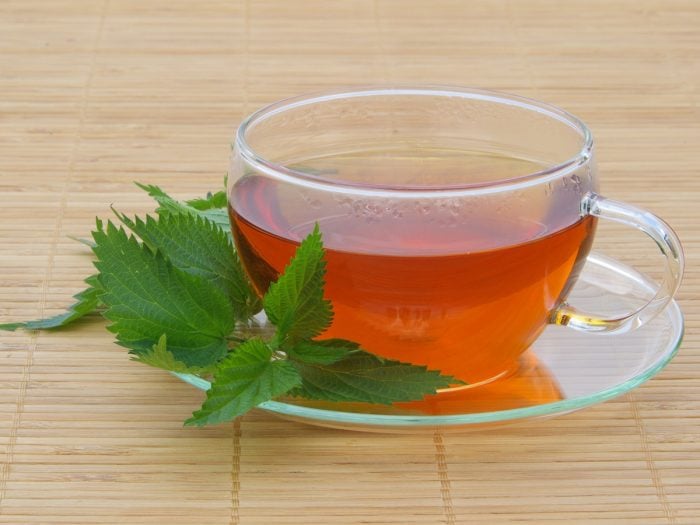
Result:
x=460 y=289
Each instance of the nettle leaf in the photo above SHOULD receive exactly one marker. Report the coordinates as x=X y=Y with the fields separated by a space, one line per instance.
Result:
x=166 y=202
x=168 y=205
x=295 y=303
x=159 y=356
x=147 y=296
x=212 y=200
x=219 y=217
x=364 y=377
x=244 y=379
x=87 y=302
x=174 y=299
x=198 y=247
x=324 y=352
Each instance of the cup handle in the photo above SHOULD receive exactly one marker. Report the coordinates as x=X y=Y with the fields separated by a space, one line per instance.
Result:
x=668 y=243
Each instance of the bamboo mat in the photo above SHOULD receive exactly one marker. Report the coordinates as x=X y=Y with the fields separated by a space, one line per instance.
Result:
x=96 y=94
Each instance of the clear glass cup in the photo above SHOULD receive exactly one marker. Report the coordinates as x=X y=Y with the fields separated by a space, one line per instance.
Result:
x=456 y=221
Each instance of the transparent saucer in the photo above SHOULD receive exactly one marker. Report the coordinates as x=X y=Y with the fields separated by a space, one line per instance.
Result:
x=563 y=371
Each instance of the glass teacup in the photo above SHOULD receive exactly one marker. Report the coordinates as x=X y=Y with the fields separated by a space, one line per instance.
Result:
x=456 y=221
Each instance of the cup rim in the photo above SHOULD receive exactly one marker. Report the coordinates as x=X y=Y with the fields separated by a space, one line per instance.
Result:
x=316 y=181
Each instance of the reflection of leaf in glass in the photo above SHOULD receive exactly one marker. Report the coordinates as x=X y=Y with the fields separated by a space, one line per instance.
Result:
x=263 y=271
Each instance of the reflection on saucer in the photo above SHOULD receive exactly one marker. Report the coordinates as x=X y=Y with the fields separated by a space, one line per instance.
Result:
x=530 y=384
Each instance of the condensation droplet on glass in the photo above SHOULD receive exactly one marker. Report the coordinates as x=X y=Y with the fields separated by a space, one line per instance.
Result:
x=422 y=208
x=576 y=180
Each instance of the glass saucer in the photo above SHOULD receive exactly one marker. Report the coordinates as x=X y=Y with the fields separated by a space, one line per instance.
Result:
x=563 y=371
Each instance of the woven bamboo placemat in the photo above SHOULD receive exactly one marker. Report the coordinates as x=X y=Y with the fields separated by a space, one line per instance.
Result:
x=96 y=94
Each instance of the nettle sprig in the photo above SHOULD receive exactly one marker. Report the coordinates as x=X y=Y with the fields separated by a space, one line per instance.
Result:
x=175 y=294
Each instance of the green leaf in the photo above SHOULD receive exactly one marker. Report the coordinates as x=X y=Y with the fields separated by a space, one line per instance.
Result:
x=212 y=200
x=295 y=303
x=198 y=247
x=364 y=377
x=168 y=205
x=160 y=357
x=324 y=352
x=246 y=378
x=86 y=302
x=219 y=217
x=147 y=296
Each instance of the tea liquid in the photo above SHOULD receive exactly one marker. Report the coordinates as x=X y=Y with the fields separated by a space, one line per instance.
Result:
x=404 y=289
